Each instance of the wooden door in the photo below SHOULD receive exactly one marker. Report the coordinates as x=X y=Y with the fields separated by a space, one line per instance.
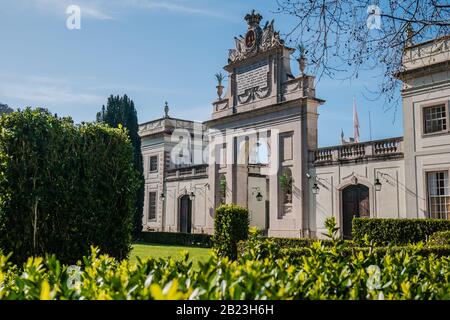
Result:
x=355 y=204
x=185 y=214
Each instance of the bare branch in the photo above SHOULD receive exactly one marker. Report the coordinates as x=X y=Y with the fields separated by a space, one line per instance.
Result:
x=340 y=44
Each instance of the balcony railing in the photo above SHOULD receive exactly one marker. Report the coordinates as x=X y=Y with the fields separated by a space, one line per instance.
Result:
x=358 y=151
x=198 y=171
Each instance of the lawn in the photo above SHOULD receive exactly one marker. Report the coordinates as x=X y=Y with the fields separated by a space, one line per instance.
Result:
x=164 y=251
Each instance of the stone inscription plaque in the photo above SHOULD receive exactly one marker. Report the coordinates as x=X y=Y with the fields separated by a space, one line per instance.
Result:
x=252 y=76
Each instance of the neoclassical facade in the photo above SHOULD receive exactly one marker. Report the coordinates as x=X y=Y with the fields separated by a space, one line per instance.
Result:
x=259 y=149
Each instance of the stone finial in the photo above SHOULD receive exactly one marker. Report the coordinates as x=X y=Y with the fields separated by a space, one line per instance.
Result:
x=166 y=110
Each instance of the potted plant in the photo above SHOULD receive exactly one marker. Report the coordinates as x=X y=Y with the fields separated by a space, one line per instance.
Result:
x=219 y=77
x=285 y=181
x=223 y=189
x=223 y=184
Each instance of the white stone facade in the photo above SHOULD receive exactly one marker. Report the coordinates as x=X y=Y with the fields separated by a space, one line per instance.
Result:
x=259 y=150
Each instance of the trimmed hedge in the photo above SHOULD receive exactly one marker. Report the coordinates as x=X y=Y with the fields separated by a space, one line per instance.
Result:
x=273 y=244
x=297 y=242
x=396 y=231
x=181 y=239
x=425 y=251
x=231 y=225
x=64 y=187
x=440 y=238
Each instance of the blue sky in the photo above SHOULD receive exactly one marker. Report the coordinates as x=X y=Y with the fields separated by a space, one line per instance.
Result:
x=154 y=51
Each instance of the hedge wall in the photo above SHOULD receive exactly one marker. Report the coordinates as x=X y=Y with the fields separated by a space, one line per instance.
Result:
x=439 y=251
x=181 y=239
x=231 y=225
x=440 y=238
x=297 y=242
x=396 y=231
x=64 y=187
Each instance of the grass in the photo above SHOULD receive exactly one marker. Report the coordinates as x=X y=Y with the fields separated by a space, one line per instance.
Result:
x=143 y=251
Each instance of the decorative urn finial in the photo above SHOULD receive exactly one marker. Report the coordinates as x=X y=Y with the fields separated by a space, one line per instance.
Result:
x=219 y=77
x=166 y=110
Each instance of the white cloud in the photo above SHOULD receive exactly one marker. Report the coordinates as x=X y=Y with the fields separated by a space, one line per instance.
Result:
x=173 y=6
x=89 y=9
x=95 y=13
x=104 y=9
x=42 y=91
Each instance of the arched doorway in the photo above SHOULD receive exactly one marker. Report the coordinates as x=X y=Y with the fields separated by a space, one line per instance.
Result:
x=185 y=214
x=355 y=204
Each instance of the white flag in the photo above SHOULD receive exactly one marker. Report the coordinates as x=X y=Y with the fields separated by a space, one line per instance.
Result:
x=355 y=121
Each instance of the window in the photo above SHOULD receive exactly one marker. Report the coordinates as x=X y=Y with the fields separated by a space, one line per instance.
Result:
x=153 y=163
x=259 y=150
x=223 y=155
x=435 y=119
x=152 y=206
x=438 y=195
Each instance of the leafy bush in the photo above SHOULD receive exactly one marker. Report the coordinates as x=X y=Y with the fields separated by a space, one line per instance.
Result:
x=231 y=225
x=437 y=250
x=396 y=231
x=440 y=238
x=64 y=187
x=325 y=274
x=257 y=247
x=266 y=246
x=332 y=228
x=177 y=238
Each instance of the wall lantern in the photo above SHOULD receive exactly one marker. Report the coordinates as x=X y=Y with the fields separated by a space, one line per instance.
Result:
x=259 y=196
x=315 y=188
x=192 y=196
x=377 y=185
x=162 y=196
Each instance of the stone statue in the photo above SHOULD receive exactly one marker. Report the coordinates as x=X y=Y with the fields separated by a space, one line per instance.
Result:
x=166 y=110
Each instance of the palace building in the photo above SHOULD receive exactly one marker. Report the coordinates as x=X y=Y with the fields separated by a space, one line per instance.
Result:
x=259 y=149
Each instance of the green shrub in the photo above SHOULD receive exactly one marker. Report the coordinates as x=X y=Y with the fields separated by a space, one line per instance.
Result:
x=326 y=273
x=257 y=247
x=270 y=246
x=64 y=187
x=300 y=242
x=231 y=225
x=178 y=238
x=440 y=238
x=437 y=250
x=396 y=231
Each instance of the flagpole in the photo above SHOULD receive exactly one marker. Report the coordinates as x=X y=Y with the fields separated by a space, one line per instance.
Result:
x=355 y=122
x=370 y=126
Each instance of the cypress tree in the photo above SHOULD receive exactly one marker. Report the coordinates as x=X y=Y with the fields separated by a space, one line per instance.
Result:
x=121 y=111
x=5 y=109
